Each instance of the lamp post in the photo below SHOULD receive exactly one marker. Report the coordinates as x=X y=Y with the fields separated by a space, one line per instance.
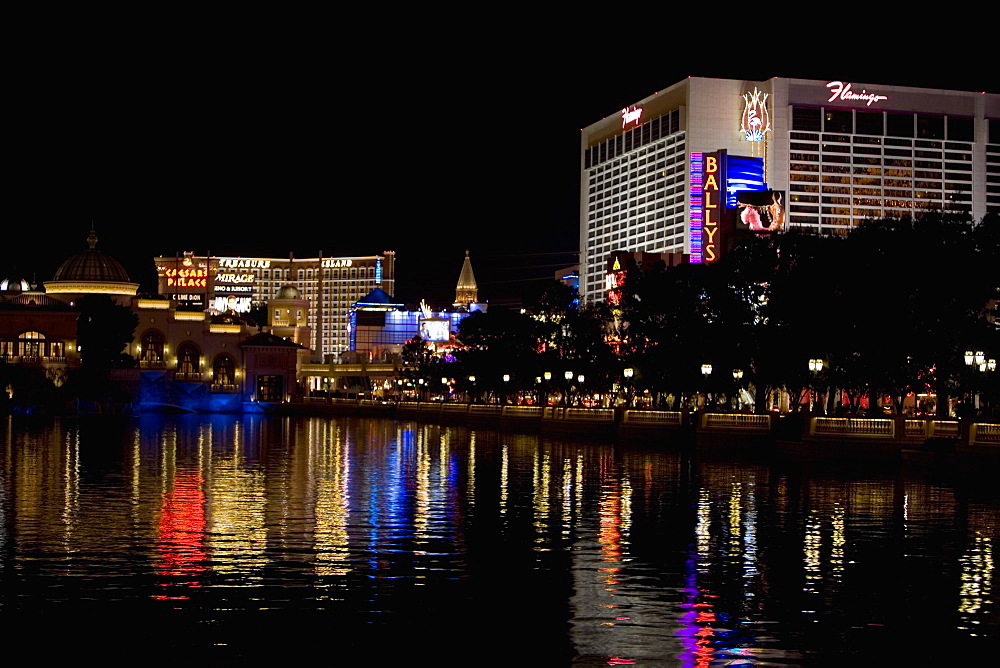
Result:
x=977 y=360
x=706 y=371
x=627 y=374
x=815 y=366
x=738 y=376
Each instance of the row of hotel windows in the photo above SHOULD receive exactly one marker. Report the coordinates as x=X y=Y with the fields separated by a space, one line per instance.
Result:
x=332 y=274
x=647 y=133
x=650 y=159
x=152 y=353
x=892 y=124
x=32 y=344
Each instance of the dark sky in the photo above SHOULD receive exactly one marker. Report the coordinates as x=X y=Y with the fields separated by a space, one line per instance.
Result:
x=270 y=142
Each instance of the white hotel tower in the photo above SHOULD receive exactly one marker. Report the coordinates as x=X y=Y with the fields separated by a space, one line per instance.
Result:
x=839 y=152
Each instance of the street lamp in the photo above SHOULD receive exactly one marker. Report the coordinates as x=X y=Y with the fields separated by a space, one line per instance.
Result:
x=706 y=371
x=977 y=359
x=815 y=366
x=737 y=376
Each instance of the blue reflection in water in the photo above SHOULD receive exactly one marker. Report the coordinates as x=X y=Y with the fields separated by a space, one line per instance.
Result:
x=246 y=538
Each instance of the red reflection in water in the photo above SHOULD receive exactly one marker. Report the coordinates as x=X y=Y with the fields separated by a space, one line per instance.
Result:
x=698 y=631
x=182 y=531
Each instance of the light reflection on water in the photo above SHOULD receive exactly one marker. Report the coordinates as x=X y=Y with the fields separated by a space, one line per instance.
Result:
x=249 y=538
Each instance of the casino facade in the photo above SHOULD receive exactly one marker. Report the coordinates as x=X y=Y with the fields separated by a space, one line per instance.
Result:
x=686 y=171
x=330 y=285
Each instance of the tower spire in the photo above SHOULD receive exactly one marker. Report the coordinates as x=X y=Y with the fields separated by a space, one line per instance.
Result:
x=466 y=291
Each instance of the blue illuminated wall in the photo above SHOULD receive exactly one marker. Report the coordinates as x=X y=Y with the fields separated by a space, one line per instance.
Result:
x=743 y=174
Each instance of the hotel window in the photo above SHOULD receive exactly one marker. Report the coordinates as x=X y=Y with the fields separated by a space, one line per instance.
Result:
x=835 y=120
x=187 y=359
x=224 y=371
x=869 y=123
x=930 y=127
x=806 y=119
x=151 y=347
x=961 y=129
x=29 y=344
x=269 y=388
x=899 y=125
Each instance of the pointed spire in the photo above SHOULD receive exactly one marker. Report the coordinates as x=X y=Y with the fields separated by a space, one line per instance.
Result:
x=466 y=292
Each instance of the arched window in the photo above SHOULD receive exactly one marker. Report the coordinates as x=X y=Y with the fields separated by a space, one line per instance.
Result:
x=188 y=361
x=151 y=348
x=30 y=344
x=224 y=371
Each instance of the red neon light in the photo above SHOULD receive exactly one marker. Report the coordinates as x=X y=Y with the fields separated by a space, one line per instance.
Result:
x=630 y=115
x=844 y=92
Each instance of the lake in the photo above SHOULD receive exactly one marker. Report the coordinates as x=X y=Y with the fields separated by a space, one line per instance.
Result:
x=249 y=540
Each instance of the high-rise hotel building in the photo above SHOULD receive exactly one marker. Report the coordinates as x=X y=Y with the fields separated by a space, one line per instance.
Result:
x=330 y=285
x=835 y=152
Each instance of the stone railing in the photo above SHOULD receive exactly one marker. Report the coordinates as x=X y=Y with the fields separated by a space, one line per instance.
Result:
x=484 y=409
x=741 y=421
x=653 y=418
x=985 y=433
x=856 y=427
x=944 y=428
x=522 y=411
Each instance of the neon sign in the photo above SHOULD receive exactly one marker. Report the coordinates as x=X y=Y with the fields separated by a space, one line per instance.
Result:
x=843 y=91
x=756 y=121
x=239 y=263
x=710 y=206
x=185 y=278
x=336 y=263
x=234 y=278
x=694 y=225
x=631 y=115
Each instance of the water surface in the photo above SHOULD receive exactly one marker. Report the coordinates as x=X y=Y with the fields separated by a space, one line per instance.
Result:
x=250 y=540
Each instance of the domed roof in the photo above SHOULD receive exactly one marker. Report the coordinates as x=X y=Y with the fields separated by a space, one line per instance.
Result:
x=91 y=265
x=289 y=292
x=14 y=285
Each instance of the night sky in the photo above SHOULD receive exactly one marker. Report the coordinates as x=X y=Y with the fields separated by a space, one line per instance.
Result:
x=266 y=143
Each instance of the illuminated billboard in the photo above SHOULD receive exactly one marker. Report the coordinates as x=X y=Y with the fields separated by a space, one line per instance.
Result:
x=435 y=329
x=761 y=210
x=224 y=303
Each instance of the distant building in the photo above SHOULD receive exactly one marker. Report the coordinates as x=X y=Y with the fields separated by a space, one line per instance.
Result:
x=665 y=174
x=184 y=360
x=328 y=284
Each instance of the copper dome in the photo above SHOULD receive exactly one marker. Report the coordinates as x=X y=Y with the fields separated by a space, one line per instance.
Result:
x=92 y=265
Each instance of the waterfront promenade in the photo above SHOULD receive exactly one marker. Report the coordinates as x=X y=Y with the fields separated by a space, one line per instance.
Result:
x=800 y=433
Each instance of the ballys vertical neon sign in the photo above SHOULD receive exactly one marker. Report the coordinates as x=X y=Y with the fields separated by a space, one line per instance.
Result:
x=711 y=215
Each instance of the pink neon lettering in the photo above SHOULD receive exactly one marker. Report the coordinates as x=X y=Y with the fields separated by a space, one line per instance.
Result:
x=629 y=115
x=844 y=92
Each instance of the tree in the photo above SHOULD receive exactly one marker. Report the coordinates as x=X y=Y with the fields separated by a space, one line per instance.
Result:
x=103 y=331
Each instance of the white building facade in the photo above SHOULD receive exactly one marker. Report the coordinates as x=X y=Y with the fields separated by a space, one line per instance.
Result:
x=838 y=152
x=330 y=285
